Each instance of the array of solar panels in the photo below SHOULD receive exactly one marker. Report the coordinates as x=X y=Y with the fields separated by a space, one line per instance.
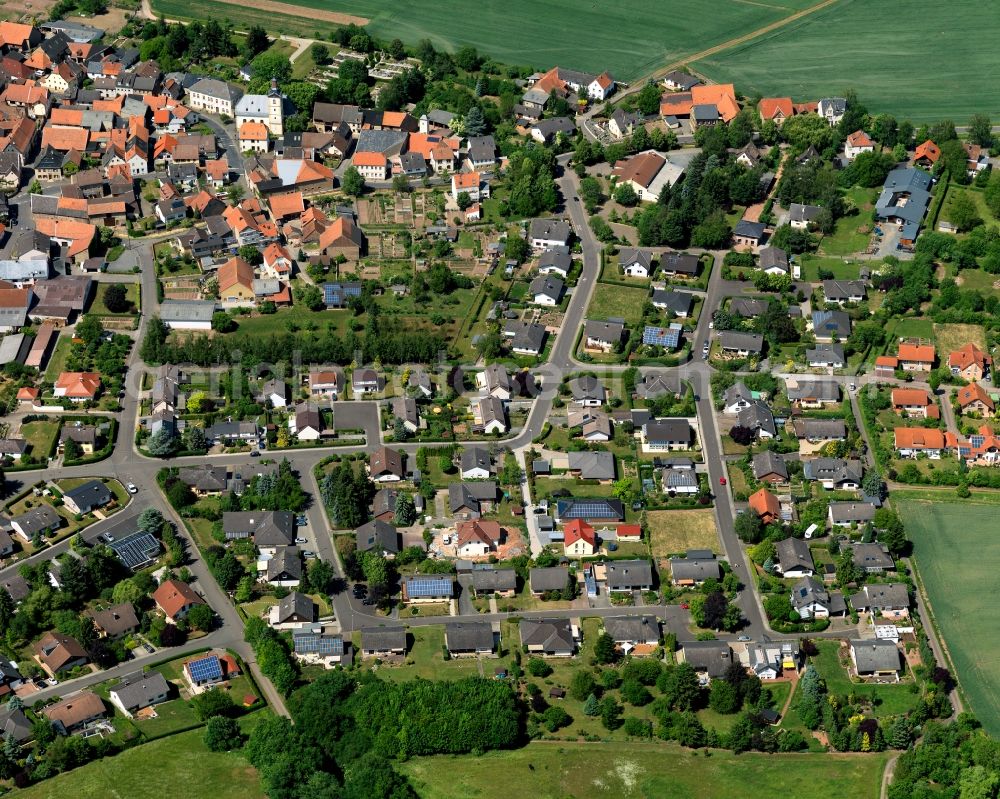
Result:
x=136 y=550
x=338 y=293
x=205 y=669
x=586 y=509
x=661 y=336
x=315 y=643
x=422 y=587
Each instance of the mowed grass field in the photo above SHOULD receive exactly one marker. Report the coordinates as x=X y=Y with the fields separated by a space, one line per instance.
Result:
x=630 y=39
x=673 y=531
x=178 y=765
x=882 y=50
x=641 y=771
x=958 y=556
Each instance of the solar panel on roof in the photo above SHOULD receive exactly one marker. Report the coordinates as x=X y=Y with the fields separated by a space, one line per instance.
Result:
x=428 y=587
x=313 y=643
x=207 y=668
x=136 y=550
x=661 y=336
x=977 y=440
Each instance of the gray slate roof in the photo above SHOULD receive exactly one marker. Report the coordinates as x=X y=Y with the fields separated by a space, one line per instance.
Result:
x=875 y=654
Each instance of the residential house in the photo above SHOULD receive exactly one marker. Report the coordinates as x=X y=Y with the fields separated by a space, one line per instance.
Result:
x=872 y=558
x=427 y=588
x=857 y=143
x=634 y=635
x=175 y=599
x=489 y=416
x=477 y=538
x=970 y=362
x=476 y=463
x=915 y=402
x=314 y=645
x=793 y=558
x=911 y=441
x=470 y=639
x=592 y=465
x=325 y=383
x=831 y=326
x=306 y=423
x=812 y=601
x=769 y=467
x=603 y=336
x=41 y=520
x=77 y=386
x=737 y=398
x=748 y=235
x=623 y=576
x=648 y=173
x=812 y=393
x=588 y=391
x=546 y=290
x=759 y=419
x=826 y=356
x=765 y=505
x=926 y=154
x=709 y=659
x=973 y=399
x=377 y=535
x=214 y=96
x=904 y=200
x=87 y=496
x=555 y=262
x=775 y=109
x=590 y=509
x=548 y=234
x=365 y=381
x=623 y=123
x=75 y=712
x=667 y=337
x=801 y=216
x=741 y=345
x=832 y=109
x=548 y=637
x=386 y=465
x=138 y=690
x=282 y=566
x=545 y=580
x=847 y=514
x=495 y=381
x=667 y=435
x=57 y=652
x=876 y=657
x=471 y=500
x=816 y=430
x=694 y=568
x=579 y=539
x=774 y=261
x=678 y=303
x=294 y=610
x=680 y=264
x=891 y=600
x=636 y=262
x=844 y=291
x=383 y=642
x=487 y=582
x=834 y=474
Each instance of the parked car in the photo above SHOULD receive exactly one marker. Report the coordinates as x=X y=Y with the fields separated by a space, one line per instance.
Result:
x=722 y=481
x=301 y=540
x=131 y=488
x=360 y=590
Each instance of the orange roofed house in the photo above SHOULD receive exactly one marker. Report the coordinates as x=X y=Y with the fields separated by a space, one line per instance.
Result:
x=720 y=95
x=886 y=365
x=343 y=237
x=579 y=538
x=926 y=154
x=916 y=357
x=982 y=448
x=775 y=109
x=371 y=166
x=78 y=386
x=974 y=399
x=254 y=137
x=857 y=143
x=970 y=362
x=175 y=599
x=911 y=441
x=765 y=505
x=914 y=402
x=478 y=538
x=236 y=281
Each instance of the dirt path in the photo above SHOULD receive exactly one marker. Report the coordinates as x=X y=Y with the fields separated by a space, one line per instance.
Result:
x=288 y=9
x=890 y=767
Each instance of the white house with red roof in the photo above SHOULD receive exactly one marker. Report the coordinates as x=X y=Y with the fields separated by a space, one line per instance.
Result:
x=78 y=386
x=471 y=183
x=579 y=539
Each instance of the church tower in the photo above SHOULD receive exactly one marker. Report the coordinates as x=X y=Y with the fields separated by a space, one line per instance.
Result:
x=275 y=110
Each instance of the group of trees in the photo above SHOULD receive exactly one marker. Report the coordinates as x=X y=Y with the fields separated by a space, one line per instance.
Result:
x=385 y=339
x=347 y=492
x=272 y=653
x=174 y=45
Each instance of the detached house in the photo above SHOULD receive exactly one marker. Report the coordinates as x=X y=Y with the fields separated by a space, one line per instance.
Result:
x=766 y=506
x=857 y=143
x=548 y=637
x=970 y=362
x=175 y=599
x=580 y=539
x=793 y=558
x=910 y=441
x=892 y=600
x=386 y=465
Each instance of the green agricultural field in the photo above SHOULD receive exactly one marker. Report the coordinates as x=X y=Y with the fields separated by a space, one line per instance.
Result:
x=573 y=34
x=869 y=46
x=155 y=770
x=639 y=770
x=957 y=554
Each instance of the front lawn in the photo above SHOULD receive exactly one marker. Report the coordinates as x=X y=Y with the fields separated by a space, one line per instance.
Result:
x=615 y=301
x=674 y=531
x=131 y=295
x=40 y=435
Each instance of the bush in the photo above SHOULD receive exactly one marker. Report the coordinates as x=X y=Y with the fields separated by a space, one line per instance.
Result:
x=539 y=668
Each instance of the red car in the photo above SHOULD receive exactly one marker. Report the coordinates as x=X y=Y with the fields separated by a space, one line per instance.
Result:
x=685 y=605
x=722 y=481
